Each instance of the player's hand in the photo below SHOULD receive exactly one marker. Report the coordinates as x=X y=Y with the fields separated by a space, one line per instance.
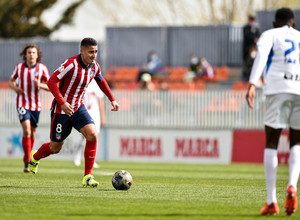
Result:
x=18 y=90
x=36 y=83
x=251 y=95
x=115 y=106
x=67 y=108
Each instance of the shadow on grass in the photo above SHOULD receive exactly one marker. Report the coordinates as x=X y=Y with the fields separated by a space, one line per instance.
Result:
x=111 y=190
x=246 y=216
x=60 y=187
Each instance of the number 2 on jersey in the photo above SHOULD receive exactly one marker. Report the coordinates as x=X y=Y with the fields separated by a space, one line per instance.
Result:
x=288 y=53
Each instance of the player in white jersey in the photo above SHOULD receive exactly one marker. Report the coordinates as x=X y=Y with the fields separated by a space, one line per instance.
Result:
x=93 y=100
x=278 y=58
x=27 y=80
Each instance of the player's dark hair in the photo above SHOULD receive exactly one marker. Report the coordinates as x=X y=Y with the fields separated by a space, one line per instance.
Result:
x=88 y=41
x=284 y=14
x=24 y=51
x=251 y=18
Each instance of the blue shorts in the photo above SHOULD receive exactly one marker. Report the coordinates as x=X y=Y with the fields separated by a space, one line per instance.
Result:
x=25 y=114
x=62 y=124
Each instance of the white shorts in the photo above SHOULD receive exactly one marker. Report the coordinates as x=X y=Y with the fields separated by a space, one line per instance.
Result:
x=283 y=111
x=97 y=125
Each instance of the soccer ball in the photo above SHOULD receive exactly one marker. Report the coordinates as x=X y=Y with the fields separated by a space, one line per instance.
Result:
x=122 y=180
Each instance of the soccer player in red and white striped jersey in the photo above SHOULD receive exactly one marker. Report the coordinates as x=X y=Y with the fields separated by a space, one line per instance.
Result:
x=68 y=85
x=27 y=79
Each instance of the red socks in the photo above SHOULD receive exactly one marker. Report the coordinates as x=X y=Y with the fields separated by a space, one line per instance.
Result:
x=32 y=143
x=89 y=156
x=26 y=143
x=43 y=152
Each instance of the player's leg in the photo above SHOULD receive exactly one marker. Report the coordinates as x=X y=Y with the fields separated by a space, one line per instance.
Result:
x=78 y=151
x=45 y=150
x=25 y=118
x=32 y=137
x=90 y=134
x=34 y=120
x=26 y=143
x=61 y=127
x=275 y=120
x=84 y=123
x=291 y=202
x=294 y=159
x=270 y=166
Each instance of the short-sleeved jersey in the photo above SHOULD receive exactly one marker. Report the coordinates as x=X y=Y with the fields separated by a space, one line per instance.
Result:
x=278 y=57
x=73 y=79
x=93 y=93
x=25 y=76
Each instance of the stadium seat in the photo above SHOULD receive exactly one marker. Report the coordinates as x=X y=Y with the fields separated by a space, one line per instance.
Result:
x=120 y=85
x=220 y=74
x=110 y=74
x=119 y=74
x=177 y=74
x=240 y=85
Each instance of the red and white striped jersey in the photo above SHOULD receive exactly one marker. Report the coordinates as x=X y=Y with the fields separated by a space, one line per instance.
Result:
x=73 y=78
x=25 y=76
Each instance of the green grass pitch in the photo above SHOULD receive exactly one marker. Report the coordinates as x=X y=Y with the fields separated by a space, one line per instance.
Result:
x=159 y=191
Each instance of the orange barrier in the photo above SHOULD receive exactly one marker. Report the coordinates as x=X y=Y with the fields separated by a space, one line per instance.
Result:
x=124 y=74
x=4 y=85
x=240 y=85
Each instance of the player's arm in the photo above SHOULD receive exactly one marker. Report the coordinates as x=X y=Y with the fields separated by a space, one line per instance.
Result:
x=52 y=85
x=12 y=81
x=13 y=85
x=251 y=95
x=45 y=77
x=41 y=85
x=264 y=47
x=106 y=90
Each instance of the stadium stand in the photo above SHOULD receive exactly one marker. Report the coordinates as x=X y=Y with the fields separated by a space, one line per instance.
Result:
x=125 y=78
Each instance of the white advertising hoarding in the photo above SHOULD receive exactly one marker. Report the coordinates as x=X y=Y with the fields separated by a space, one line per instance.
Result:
x=145 y=145
x=11 y=143
x=170 y=145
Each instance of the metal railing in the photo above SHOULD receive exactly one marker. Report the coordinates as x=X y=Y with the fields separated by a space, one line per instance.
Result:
x=210 y=109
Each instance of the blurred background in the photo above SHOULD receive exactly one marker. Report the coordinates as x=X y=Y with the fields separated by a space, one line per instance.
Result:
x=191 y=104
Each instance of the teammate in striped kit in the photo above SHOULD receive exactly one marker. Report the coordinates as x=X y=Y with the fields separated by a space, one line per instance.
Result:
x=68 y=85
x=27 y=79
x=278 y=57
